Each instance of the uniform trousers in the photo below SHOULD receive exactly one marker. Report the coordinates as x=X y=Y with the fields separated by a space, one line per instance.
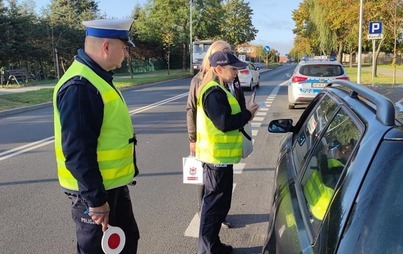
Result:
x=216 y=203
x=89 y=234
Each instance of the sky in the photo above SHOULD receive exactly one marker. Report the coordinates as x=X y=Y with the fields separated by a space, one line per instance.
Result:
x=273 y=19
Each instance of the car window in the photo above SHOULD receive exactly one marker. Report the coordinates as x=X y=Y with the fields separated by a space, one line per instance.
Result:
x=322 y=70
x=326 y=164
x=311 y=129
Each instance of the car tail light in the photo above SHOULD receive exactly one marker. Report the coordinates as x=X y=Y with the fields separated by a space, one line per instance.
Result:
x=296 y=79
x=344 y=78
x=245 y=72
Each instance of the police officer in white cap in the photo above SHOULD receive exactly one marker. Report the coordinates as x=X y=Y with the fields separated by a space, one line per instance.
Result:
x=94 y=138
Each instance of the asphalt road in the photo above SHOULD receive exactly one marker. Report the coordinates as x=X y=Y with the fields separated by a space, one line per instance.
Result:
x=35 y=214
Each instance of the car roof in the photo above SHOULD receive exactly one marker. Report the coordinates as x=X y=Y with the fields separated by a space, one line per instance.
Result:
x=383 y=107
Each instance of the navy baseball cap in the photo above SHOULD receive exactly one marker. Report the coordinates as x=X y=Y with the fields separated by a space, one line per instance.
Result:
x=224 y=58
x=110 y=28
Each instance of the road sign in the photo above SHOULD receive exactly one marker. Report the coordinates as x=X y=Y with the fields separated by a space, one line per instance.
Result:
x=245 y=49
x=375 y=30
x=375 y=36
x=266 y=49
x=242 y=57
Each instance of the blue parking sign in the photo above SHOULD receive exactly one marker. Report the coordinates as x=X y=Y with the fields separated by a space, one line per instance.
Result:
x=375 y=27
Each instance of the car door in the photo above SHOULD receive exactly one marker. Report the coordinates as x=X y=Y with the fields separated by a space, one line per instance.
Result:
x=254 y=72
x=302 y=205
x=288 y=225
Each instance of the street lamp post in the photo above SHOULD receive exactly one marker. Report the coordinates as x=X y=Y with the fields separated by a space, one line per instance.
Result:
x=359 y=45
x=190 y=37
x=57 y=65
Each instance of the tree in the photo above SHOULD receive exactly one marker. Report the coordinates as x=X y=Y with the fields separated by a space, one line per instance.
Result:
x=66 y=30
x=4 y=27
x=237 y=26
x=165 y=22
x=207 y=17
x=306 y=32
x=388 y=12
x=342 y=21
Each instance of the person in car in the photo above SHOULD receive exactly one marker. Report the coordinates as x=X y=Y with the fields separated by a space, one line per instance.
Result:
x=218 y=145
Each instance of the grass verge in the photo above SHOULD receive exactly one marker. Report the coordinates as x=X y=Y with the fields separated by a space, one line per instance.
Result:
x=384 y=75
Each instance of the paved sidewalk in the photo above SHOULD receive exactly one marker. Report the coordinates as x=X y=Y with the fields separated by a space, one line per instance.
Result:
x=21 y=89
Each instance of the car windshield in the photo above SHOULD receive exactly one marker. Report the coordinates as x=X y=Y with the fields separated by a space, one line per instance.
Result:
x=377 y=217
x=321 y=70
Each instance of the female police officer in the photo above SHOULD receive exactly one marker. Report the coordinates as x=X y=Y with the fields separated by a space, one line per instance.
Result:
x=218 y=145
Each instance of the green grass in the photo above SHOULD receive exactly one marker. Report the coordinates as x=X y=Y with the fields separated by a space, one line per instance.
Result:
x=380 y=79
x=8 y=101
x=124 y=82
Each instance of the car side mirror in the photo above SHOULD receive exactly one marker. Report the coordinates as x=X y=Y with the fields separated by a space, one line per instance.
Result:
x=281 y=126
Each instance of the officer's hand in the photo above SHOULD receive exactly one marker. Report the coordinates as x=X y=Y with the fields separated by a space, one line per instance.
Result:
x=252 y=107
x=100 y=215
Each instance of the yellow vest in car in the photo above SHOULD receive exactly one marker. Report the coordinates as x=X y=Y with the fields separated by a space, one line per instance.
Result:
x=317 y=195
x=114 y=150
x=212 y=145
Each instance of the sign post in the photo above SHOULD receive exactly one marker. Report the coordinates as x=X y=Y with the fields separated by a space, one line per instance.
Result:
x=266 y=50
x=374 y=33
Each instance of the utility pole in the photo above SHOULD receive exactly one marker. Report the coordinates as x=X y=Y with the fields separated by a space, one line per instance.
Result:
x=190 y=37
x=359 y=45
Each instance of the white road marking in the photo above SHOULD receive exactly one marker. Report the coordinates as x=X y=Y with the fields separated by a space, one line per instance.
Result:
x=238 y=168
x=255 y=125
x=193 y=229
x=257 y=119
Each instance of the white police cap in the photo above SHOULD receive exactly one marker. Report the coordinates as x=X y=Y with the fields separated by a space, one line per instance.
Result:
x=110 y=28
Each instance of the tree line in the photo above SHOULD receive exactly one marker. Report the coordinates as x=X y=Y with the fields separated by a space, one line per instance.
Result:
x=324 y=27
x=45 y=42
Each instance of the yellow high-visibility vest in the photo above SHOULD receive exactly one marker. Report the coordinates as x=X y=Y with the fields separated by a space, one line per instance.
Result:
x=317 y=194
x=114 y=150
x=212 y=145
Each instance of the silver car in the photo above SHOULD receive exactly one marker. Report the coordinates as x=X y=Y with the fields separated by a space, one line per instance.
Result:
x=310 y=77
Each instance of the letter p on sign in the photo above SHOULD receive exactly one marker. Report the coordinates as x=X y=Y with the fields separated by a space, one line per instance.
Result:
x=375 y=27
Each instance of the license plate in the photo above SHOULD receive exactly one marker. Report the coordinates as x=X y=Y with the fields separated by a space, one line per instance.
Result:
x=319 y=85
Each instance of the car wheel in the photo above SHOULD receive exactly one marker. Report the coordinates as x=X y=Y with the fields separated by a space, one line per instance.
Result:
x=251 y=85
x=258 y=82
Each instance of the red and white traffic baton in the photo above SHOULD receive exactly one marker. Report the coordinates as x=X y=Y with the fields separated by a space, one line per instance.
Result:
x=113 y=241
